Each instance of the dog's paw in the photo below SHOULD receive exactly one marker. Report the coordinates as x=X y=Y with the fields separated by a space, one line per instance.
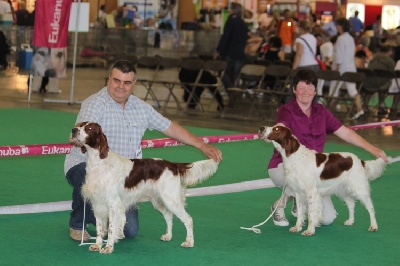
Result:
x=295 y=229
x=373 y=228
x=188 y=244
x=107 y=250
x=166 y=237
x=94 y=247
x=308 y=233
x=349 y=222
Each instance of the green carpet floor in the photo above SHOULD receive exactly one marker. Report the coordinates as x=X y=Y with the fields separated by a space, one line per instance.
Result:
x=43 y=239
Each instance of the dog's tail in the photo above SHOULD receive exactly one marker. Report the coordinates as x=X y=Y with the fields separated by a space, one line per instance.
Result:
x=200 y=171
x=375 y=168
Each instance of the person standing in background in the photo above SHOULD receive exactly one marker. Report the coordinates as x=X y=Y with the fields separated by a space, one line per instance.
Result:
x=287 y=29
x=22 y=15
x=378 y=32
x=102 y=16
x=306 y=48
x=343 y=61
x=232 y=44
x=329 y=28
x=356 y=25
x=5 y=7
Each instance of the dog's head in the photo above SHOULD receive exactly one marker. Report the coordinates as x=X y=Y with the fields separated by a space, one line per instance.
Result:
x=281 y=137
x=90 y=134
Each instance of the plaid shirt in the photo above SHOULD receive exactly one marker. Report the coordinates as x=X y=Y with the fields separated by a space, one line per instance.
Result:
x=124 y=127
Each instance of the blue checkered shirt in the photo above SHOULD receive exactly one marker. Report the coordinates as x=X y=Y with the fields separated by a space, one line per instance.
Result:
x=124 y=127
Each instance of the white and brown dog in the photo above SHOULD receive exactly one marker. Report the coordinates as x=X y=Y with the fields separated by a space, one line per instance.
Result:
x=114 y=183
x=311 y=174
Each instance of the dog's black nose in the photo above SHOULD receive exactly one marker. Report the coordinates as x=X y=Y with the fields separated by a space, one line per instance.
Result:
x=74 y=130
x=262 y=128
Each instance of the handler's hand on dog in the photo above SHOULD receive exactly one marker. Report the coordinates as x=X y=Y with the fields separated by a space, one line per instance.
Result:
x=378 y=153
x=211 y=152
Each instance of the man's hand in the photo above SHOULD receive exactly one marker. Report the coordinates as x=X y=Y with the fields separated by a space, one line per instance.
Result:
x=211 y=152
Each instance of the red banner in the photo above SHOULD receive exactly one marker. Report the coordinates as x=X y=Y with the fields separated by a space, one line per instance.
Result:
x=50 y=36
x=51 y=23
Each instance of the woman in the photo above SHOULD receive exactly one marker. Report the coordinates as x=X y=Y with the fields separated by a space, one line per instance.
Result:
x=310 y=122
x=306 y=48
x=343 y=61
x=274 y=52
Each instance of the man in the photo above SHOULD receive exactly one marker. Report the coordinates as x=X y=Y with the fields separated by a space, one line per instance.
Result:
x=5 y=7
x=232 y=44
x=287 y=29
x=124 y=118
x=329 y=28
x=356 y=24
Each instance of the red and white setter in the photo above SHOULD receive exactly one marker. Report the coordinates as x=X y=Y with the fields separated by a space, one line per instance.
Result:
x=311 y=174
x=114 y=183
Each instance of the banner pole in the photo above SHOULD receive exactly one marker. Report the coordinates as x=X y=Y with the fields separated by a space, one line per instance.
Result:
x=71 y=97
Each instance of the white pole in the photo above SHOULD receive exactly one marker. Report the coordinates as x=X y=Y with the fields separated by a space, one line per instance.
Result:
x=30 y=86
x=71 y=96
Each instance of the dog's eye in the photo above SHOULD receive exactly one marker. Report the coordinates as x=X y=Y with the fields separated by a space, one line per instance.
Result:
x=276 y=128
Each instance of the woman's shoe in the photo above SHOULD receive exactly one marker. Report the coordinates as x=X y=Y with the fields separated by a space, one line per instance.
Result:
x=358 y=115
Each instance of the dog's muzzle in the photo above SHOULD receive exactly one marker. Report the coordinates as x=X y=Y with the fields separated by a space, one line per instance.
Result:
x=261 y=132
x=74 y=132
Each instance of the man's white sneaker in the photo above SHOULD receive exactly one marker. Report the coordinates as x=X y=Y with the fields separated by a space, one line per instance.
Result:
x=279 y=217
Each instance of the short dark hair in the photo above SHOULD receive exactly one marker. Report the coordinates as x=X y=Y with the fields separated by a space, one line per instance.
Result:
x=306 y=75
x=344 y=23
x=275 y=41
x=236 y=8
x=124 y=66
x=360 y=54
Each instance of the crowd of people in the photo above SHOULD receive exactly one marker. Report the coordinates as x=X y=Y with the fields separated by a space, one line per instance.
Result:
x=340 y=44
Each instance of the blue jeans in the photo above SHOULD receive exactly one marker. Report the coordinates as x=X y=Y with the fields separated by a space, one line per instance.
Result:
x=76 y=178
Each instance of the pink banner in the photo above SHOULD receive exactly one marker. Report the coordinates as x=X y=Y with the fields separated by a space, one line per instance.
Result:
x=53 y=149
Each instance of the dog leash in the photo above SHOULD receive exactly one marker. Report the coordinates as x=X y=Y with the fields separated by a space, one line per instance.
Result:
x=83 y=226
x=254 y=227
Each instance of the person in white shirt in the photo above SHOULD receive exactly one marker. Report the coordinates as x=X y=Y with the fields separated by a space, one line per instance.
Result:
x=4 y=7
x=306 y=48
x=102 y=15
x=343 y=61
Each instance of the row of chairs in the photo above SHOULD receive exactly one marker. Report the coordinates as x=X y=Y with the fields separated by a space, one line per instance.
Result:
x=273 y=83
x=367 y=82
x=377 y=78
x=156 y=71
x=258 y=86
x=342 y=97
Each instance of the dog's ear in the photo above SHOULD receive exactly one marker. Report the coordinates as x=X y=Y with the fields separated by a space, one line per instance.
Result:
x=103 y=145
x=83 y=149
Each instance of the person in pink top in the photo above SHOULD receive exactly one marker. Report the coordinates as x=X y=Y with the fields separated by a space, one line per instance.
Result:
x=310 y=122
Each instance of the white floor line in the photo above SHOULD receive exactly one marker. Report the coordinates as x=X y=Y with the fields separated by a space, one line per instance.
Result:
x=192 y=192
